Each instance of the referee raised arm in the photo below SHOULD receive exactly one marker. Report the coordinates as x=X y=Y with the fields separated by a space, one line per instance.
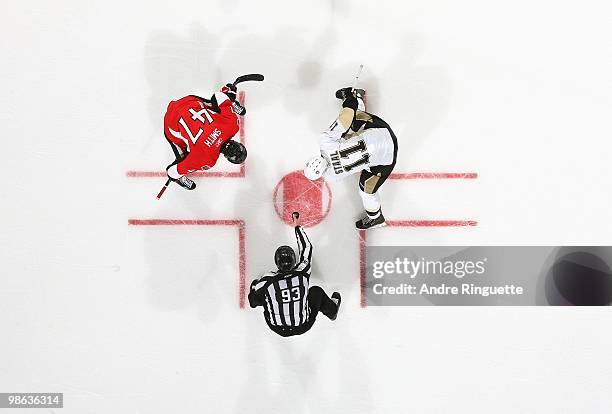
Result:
x=290 y=306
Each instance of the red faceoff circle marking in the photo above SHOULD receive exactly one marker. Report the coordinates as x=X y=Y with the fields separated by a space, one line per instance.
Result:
x=312 y=199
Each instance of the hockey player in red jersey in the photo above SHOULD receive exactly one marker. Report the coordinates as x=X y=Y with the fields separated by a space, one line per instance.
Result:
x=199 y=130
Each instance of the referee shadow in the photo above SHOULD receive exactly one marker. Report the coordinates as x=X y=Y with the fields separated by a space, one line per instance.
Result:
x=287 y=374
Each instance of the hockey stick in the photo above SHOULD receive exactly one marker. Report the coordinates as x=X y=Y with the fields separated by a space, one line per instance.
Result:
x=340 y=92
x=357 y=77
x=161 y=192
x=250 y=77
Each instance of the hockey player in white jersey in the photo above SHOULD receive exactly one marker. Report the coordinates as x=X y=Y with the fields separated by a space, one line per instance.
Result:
x=357 y=142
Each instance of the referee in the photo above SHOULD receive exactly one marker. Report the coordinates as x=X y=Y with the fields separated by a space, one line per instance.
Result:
x=290 y=306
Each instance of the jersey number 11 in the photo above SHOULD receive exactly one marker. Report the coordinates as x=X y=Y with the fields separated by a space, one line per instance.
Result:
x=347 y=152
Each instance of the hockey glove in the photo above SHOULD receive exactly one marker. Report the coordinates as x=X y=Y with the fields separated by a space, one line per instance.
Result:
x=238 y=109
x=348 y=92
x=230 y=90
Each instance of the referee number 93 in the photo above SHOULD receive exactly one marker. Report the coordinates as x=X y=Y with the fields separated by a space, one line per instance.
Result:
x=291 y=295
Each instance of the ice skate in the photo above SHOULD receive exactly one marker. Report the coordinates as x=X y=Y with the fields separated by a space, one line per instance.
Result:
x=368 y=222
x=186 y=183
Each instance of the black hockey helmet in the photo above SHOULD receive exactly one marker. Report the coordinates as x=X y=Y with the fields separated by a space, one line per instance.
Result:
x=284 y=258
x=234 y=151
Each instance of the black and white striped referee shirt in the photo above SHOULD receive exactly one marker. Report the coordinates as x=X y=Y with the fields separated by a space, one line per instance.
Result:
x=284 y=295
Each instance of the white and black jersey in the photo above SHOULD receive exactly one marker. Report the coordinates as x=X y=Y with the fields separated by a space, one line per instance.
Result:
x=284 y=295
x=368 y=142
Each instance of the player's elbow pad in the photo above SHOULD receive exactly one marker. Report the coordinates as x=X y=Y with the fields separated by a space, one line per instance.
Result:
x=252 y=300
x=346 y=117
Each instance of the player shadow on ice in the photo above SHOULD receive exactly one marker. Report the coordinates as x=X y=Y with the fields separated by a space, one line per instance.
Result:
x=302 y=75
x=279 y=364
x=295 y=73
x=201 y=62
x=299 y=72
x=178 y=282
x=412 y=97
x=208 y=280
x=177 y=66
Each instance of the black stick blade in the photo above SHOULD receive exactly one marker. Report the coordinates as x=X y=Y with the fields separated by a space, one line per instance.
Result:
x=250 y=77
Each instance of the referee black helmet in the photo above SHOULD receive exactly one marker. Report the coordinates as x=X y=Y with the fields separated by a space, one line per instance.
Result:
x=284 y=257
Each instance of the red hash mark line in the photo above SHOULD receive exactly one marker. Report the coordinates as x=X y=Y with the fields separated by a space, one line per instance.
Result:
x=241 y=242
x=208 y=174
x=432 y=176
x=400 y=223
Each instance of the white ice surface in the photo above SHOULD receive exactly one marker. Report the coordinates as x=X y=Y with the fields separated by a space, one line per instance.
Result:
x=146 y=320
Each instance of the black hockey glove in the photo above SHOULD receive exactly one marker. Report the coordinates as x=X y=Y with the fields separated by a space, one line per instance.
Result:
x=344 y=93
x=347 y=92
x=230 y=90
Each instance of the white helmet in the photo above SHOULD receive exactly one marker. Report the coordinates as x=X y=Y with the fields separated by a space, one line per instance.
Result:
x=315 y=167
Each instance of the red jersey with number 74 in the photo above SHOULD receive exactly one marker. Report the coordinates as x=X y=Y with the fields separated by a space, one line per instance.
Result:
x=200 y=128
